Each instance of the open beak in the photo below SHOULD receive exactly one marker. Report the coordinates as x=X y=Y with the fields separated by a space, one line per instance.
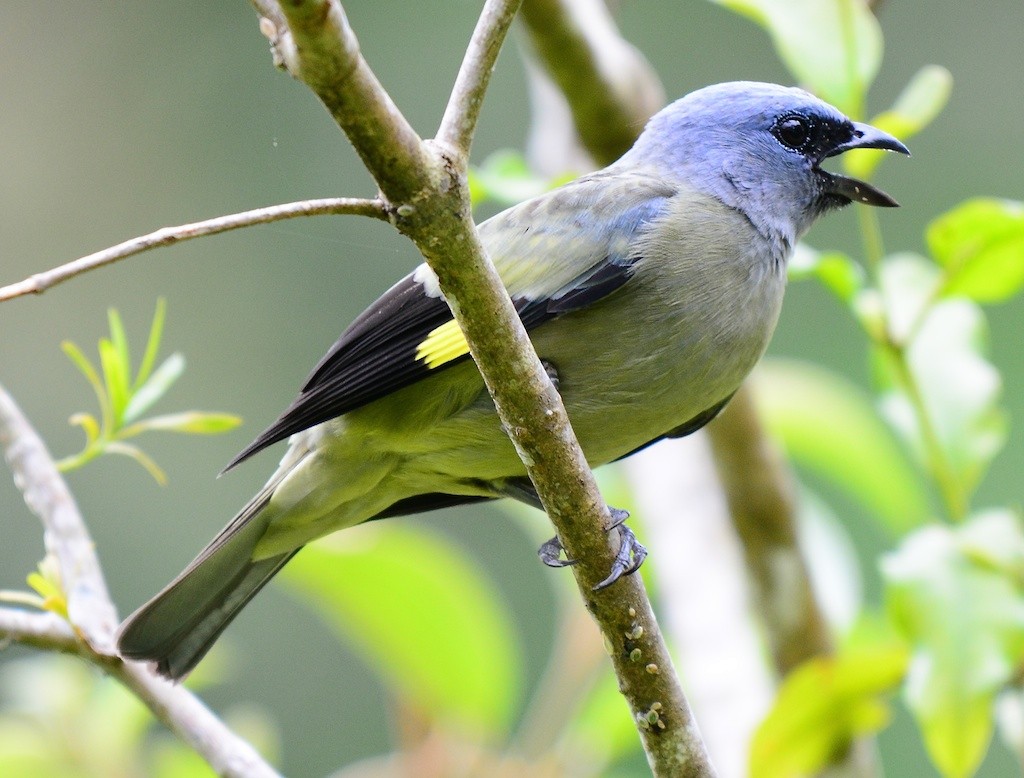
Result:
x=864 y=137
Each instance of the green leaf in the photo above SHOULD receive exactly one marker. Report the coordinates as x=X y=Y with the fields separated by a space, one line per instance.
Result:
x=917 y=106
x=115 y=373
x=85 y=367
x=830 y=427
x=909 y=285
x=833 y=47
x=422 y=614
x=90 y=426
x=822 y=706
x=156 y=331
x=189 y=422
x=964 y=619
x=506 y=178
x=835 y=270
x=119 y=338
x=980 y=245
x=959 y=390
x=155 y=387
x=47 y=582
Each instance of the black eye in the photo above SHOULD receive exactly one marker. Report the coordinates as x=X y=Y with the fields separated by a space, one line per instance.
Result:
x=793 y=131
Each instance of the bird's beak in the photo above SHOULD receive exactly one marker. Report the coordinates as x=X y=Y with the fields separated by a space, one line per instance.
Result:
x=864 y=137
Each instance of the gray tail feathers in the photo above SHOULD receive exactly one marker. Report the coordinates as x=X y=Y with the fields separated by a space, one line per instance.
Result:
x=178 y=626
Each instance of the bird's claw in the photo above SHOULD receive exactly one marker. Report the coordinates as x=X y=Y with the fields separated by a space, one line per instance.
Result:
x=630 y=556
x=550 y=553
x=618 y=515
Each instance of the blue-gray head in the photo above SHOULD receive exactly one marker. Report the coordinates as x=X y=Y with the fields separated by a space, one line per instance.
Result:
x=758 y=148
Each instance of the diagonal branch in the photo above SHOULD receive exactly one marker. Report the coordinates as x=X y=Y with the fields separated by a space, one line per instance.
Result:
x=64 y=533
x=167 y=236
x=91 y=613
x=433 y=209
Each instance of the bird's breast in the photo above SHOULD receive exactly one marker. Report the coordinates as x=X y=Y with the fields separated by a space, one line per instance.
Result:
x=676 y=340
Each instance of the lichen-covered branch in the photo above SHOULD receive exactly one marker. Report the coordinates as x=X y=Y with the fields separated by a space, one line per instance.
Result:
x=426 y=185
x=88 y=632
x=167 y=236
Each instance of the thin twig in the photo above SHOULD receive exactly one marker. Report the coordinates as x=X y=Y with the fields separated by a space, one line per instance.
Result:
x=460 y=116
x=167 y=236
x=92 y=614
x=46 y=631
x=435 y=213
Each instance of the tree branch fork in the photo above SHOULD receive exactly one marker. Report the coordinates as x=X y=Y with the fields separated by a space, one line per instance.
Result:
x=423 y=192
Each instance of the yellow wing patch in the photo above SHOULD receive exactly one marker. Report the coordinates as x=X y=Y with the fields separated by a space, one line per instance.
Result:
x=442 y=345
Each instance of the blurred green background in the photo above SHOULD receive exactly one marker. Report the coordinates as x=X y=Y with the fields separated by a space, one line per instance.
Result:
x=119 y=118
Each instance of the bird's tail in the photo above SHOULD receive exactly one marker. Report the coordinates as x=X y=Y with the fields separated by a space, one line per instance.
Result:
x=178 y=626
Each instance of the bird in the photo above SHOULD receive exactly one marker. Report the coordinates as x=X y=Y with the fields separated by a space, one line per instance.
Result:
x=649 y=288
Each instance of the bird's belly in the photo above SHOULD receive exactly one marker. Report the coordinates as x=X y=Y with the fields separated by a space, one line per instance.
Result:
x=625 y=390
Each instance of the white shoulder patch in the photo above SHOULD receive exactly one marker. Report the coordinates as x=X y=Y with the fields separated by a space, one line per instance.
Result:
x=426 y=278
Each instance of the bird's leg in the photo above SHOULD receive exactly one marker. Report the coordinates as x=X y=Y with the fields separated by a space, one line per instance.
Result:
x=631 y=553
x=630 y=556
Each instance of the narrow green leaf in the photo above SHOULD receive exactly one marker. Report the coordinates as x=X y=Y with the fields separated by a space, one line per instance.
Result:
x=965 y=621
x=834 y=47
x=980 y=245
x=140 y=456
x=189 y=422
x=119 y=339
x=422 y=614
x=822 y=706
x=47 y=582
x=156 y=331
x=85 y=367
x=155 y=387
x=115 y=374
x=830 y=427
x=90 y=426
x=917 y=106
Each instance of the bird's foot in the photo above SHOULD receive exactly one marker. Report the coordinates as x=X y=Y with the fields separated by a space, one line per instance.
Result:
x=552 y=372
x=630 y=556
x=627 y=561
x=550 y=553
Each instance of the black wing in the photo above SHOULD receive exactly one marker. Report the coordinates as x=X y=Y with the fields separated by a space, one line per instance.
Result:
x=378 y=353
